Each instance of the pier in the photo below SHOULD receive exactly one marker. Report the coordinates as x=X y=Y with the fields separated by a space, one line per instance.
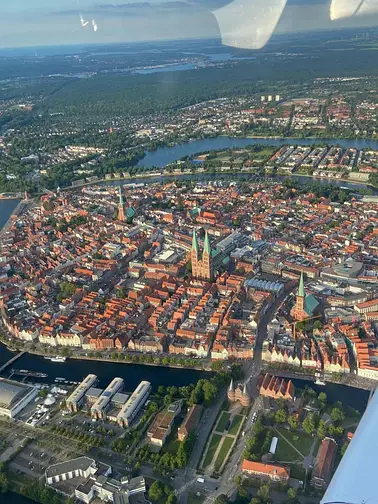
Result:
x=13 y=359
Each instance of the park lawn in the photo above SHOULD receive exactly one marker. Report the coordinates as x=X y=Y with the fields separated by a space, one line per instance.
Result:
x=222 y=422
x=300 y=440
x=194 y=499
x=223 y=452
x=214 y=442
x=235 y=425
x=284 y=452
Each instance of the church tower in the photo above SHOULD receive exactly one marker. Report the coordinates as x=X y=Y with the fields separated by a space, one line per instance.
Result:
x=207 y=265
x=201 y=268
x=194 y=255
x=301 y=295
x=121 y=209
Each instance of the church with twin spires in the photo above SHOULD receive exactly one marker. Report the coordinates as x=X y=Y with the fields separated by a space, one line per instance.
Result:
x=202 y=266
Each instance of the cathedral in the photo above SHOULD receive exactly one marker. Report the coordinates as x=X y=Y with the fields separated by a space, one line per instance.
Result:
x=130 y=211
x=121 y=207
x=305 y=306
x=202 y=268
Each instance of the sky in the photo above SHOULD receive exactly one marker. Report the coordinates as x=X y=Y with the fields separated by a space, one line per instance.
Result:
x=57 y=22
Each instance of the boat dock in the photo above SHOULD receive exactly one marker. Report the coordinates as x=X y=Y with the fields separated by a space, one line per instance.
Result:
x=13 y=359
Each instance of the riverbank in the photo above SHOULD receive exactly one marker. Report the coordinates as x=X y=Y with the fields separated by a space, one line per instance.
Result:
x=349 y=380
x=206 y=367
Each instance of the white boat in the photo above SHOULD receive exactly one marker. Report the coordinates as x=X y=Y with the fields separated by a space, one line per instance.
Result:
x=58 y=358
x=320 y=382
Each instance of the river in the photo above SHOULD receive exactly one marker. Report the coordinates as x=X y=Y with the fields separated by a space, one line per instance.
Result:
x=6 y=208
x=165 y=155
x=132 y=374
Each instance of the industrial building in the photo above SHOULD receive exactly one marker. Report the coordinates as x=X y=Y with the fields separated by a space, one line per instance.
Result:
x=14 y=396
x=99 y=408
x=75 y=400
x=133 y=405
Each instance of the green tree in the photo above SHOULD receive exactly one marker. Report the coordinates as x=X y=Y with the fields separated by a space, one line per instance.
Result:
x=255 y=500
x=322 y=398
x=337 y=415
x=309 y=423
x=322 y=429
x=264 y=493
x=222 y=499
x=171 y=499
x=280 y=416
x=156 y=491
x=292 y=493
x=293 y=422
x=317 y=324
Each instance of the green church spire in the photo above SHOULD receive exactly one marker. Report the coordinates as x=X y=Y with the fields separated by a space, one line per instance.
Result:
x=301 y=291
x=194 y=242
x=120 y=196
x=206 y=246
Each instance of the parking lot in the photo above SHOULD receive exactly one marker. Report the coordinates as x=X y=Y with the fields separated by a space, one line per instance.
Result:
x=32 y=461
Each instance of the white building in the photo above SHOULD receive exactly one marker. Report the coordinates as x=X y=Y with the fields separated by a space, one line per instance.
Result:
x=14 y=396
x=133 y=405
x=75 y=401
x=98 y=410
x=93 y=481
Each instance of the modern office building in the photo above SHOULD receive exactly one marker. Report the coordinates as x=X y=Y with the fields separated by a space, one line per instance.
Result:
x=133 y=405
x=85 y=479
x=75 y=401
x=354 y=479
x=14 y=396
x=99 y=408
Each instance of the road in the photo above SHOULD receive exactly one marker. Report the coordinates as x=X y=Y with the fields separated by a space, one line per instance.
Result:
x=187 y=480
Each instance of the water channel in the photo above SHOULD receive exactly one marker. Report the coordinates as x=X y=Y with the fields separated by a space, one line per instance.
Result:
x=165 y=155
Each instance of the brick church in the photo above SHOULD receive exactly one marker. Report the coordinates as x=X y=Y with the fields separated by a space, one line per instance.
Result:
x=202 y=268
x=305 y=306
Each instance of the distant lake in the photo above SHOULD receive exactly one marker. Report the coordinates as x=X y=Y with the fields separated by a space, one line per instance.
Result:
x=165 y=155
x=166 y=68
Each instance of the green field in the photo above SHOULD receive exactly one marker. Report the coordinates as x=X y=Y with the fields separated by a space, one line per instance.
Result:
x=285 y=453
x=300 y=440
x=235 y=425
x=223 y=452
x=214 y=442
x=222 y=421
